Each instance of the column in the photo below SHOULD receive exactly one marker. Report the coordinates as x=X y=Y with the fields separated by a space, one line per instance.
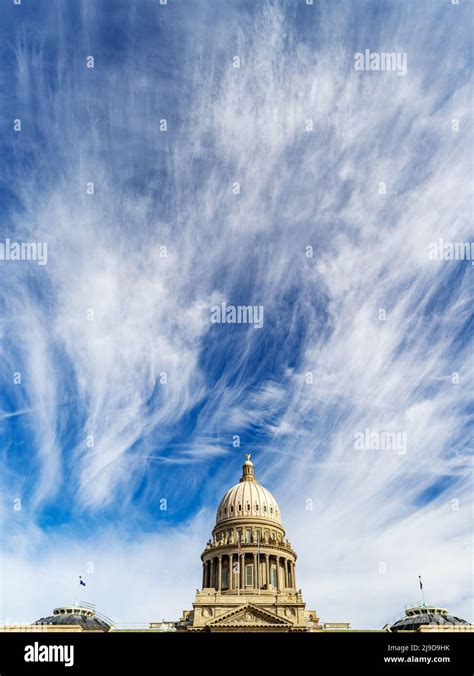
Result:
x=231 y=572
x=203 y=575
x=219 y=573
x=242 y=571
x=255 y=583
x=293 y=575
x=267 y=569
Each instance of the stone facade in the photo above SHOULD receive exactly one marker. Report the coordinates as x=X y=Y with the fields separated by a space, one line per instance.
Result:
x=248 y=568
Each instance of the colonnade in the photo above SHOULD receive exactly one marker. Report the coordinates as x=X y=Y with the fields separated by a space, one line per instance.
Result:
x=257 y=570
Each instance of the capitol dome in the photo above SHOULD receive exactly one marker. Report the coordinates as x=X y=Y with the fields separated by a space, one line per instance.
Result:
x=248 y=498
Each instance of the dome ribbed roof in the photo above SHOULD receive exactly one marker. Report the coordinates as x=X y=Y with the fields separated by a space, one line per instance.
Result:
x=421 y=615
x=248 y=498
x=75 y=615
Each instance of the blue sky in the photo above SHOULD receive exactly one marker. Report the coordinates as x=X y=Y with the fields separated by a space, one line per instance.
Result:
x=379 y=518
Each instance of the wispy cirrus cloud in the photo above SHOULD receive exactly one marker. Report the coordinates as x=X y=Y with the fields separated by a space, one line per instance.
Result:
x=134 y=394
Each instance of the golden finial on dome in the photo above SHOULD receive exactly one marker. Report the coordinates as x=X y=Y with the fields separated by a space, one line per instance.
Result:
x=247 y=456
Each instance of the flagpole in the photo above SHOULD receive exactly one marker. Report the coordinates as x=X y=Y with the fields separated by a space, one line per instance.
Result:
x=238 y=565
x=258 y=562
x=422 y=592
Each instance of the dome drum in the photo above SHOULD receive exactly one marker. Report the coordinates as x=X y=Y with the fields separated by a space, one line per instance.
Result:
x=251 y=536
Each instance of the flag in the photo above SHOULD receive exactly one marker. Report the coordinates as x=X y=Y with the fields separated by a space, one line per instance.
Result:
x=421 y=583
x=81 y=581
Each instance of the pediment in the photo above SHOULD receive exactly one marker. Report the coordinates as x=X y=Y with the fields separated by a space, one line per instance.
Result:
x=248 y=615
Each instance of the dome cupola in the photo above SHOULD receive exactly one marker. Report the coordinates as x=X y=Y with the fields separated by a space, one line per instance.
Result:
x=247 y=499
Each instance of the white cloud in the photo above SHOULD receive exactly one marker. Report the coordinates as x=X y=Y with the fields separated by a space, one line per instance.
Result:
x=298 y=188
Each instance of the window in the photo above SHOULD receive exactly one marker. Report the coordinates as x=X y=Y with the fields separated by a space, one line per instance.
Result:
x=240 y=508
x=225 y=578
x=248 y=508
x=248 y=536
x=273 y=577
x=249 y=575
x=232 y=508
x=256 y=508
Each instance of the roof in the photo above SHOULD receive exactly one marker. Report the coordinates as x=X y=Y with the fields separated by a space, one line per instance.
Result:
x=422 y=615
x=75 y=615
x=248 y=498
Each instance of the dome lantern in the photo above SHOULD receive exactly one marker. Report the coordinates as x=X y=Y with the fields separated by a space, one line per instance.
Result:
x=247 y=469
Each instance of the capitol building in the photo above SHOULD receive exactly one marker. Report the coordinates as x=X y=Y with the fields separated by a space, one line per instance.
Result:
x=249 y=568
x=248 y=582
